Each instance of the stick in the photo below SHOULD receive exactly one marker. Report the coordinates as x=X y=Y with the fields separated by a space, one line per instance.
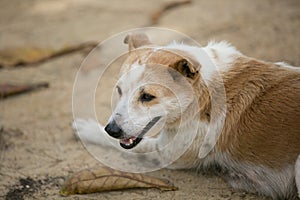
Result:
x=12 y=89
x=157 y=15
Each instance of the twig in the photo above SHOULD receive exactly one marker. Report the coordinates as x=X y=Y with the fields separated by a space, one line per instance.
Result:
x=12 y=89
x=11 y=59
x=157 y=15
x=84 y=46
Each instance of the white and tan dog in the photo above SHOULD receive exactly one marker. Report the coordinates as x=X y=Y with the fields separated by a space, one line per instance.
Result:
x=259 y=141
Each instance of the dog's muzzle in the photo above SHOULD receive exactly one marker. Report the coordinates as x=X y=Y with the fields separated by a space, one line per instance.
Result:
x=128 y=141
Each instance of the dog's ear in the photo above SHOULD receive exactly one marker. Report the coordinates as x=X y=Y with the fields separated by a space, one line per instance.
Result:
x=185 y=68
x=136 y=40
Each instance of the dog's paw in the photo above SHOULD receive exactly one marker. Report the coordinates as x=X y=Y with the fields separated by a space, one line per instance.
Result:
x=81 y=125
x=90 y=131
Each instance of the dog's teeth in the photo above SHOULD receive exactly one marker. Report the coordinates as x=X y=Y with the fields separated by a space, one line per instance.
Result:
x=130 y=141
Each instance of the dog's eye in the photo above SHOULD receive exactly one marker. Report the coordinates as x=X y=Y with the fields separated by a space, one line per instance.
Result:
x=146 y=97
x=119 y=90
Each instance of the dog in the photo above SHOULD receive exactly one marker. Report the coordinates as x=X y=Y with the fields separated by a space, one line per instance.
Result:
x=250 y=135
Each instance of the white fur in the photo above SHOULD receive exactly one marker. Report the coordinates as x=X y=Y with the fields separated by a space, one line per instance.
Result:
x=286 y=65
x=254 y=178
x=132 y=76
x=225 y=52
x=209 y=64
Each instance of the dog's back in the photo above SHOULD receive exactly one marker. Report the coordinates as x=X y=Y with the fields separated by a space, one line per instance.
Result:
x=261 y=136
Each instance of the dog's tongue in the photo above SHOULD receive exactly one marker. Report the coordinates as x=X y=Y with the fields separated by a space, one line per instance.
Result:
x=128 y=141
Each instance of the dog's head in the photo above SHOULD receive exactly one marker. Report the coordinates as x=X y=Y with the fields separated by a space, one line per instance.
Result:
x=156 y=88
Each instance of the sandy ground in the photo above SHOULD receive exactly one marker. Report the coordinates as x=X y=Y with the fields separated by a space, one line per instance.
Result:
x=38 y=148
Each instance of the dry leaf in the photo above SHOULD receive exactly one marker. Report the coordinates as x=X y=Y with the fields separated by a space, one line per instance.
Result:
x=13 y=89
x=105 y=179
x=33 y=55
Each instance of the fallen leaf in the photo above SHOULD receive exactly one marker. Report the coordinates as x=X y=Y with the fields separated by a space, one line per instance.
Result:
x=34 y=55
x=13 y=89
x=105 y=179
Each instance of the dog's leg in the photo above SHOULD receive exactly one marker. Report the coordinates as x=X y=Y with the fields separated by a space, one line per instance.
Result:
x=151 y=152
x=297 y=177
x=92 y=132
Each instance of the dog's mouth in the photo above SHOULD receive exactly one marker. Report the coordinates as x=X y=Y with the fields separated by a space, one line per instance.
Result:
x=132 y=141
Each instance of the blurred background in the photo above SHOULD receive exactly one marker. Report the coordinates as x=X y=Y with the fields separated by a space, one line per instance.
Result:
x=37 y=145
x=267 y=29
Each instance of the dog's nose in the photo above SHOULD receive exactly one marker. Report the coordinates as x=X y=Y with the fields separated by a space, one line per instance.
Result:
x=114 y=130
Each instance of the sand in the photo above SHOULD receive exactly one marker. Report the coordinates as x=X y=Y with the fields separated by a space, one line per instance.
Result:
x=38 y=148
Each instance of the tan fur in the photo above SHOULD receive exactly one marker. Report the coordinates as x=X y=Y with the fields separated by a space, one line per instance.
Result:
x=136 y=40
x=263 y=113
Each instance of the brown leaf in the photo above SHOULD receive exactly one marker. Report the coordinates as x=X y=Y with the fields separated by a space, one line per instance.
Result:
x=105 y=179
x=33 y=55
x=13 y=89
